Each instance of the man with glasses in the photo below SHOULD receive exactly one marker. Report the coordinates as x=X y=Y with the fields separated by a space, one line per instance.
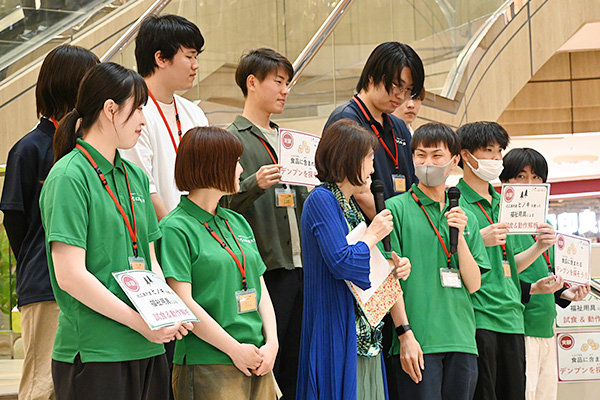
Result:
x=392 y=74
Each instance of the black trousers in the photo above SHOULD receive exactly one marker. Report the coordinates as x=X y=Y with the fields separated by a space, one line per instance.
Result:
x=286 y=289
x=145 y=379
x=501 y=366
x=447 y=376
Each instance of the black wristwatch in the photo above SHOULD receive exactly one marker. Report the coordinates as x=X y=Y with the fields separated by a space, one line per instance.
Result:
x=402 y=329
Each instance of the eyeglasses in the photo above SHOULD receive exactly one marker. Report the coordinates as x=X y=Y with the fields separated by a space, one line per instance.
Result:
x=405 y=91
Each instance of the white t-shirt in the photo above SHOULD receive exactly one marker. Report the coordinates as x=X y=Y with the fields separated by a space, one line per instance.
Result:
x=154 y=151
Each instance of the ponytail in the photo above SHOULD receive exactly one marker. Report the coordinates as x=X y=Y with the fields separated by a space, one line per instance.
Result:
x=104 y=81
x=66 y=135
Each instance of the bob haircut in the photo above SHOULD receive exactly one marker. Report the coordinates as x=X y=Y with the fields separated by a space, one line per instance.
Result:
x=207 y=158
x=341 y=151
x=260 y=63
x=167 y=34
x=515 y=160
x=59 y=78
x=478 y=135
x=434 y=134
x=385 y=64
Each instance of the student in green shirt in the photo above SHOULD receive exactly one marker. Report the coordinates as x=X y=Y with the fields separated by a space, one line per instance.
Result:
x=211 y=261
x=97 y=215
x=498 y=307
x=435 y=357
x=528 y=166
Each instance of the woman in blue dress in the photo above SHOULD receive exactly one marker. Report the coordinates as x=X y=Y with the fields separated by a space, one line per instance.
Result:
x=340 y=353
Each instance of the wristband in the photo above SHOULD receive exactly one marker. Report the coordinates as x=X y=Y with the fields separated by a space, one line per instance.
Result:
x=402 y=329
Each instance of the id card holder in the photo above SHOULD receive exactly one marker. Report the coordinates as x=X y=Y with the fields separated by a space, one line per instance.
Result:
x=246 y=301
x=285 y=197
x=137 y=263
x=506 y=266
x=399 y=183
x=450 y=277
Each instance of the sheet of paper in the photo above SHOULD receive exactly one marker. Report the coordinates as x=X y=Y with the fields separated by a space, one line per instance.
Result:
x=578 y=356
x=572 y=255
x=156 y=302
x=523 y=206
x=385 y=289
x=297 y=157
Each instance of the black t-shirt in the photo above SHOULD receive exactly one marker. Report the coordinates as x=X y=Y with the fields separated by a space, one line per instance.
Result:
x=29 y=162
x=383 y=163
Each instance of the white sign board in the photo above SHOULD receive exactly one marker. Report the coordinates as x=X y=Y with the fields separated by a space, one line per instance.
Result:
x=579 y=313
x=156 y=302
x=522 y=207
x=572 y=258
x=578 y=356
x=297 y=157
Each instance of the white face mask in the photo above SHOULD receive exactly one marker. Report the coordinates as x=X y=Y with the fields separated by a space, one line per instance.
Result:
x=488 y=169
x=432 y=175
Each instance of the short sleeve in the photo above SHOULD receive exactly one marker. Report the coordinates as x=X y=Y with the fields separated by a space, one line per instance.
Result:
x=475 y=242
x=64 y=206
x=153 y=229
x=18 y=175
x=174 y=253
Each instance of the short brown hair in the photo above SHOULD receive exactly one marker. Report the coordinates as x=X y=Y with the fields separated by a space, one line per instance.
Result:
x=340 y=153
x=207 y=158
x=260 y=63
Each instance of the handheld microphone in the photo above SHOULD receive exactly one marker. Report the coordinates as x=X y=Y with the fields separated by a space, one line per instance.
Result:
x=453 y=196
x=377 y=190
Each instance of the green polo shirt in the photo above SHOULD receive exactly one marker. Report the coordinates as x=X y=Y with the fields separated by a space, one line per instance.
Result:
x=442 y=318
x=497 y=303
x=258 y=205
x=188 y=253
x=540 y=311
x=77 y=210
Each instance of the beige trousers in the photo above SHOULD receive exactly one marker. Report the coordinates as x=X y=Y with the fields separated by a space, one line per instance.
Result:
x=38 y=322
x=540 y=368
x=220 y=382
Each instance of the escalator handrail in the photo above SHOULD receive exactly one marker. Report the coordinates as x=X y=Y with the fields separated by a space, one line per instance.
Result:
x=130 y=34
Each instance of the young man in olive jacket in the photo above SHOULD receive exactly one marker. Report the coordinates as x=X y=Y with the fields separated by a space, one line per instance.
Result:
x=263 y=75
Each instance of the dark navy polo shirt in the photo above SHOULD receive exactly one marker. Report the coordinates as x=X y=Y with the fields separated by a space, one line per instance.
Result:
x=383 y=163
x=29 y=162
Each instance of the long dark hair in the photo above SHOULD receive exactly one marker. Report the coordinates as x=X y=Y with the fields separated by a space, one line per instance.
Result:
x=105 y=81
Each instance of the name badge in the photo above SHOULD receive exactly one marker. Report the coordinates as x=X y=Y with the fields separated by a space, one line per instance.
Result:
x=506 y=266
x=450 y=278
x=137 y=263
x=246 y=301
x=399 y=183
x=285 y=197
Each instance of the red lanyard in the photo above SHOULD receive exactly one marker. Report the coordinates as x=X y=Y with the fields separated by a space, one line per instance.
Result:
x=387 y=150
x=241 y=266
x=492 y=222
x=166 y=123
x=432 y=225
x=132 y=230
x=268 y=150
x=54 y=121
x=545 y=254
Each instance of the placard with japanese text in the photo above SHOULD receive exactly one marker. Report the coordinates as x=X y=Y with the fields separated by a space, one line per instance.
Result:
x=297 y=157
x=579 y=313
x=578 y=356
x=522 y=207
x=572 y=258
x=156 y=302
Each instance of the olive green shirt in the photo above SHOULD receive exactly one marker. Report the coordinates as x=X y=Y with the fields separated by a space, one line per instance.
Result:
x=188 y=253
x=270 y=223
x=77 y=210
x=497 y=303
x=442 y=318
